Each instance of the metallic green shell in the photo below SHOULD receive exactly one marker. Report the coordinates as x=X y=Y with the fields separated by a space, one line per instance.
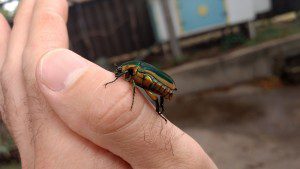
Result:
x=151 y=68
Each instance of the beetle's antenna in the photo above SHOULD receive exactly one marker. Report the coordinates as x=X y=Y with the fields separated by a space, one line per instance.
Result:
x=117 y=77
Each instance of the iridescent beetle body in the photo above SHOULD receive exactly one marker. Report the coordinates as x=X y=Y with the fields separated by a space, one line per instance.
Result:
x=152 y=80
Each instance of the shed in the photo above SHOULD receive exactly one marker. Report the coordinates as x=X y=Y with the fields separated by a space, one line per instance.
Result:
x=195 y=16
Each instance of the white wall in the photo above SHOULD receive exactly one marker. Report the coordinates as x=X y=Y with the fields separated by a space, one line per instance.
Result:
x=239 y=11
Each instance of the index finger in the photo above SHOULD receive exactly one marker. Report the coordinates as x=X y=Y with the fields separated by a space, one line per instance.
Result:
x=48 y=31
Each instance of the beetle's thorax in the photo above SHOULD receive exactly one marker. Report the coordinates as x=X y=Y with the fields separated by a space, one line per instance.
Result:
x=131 y=69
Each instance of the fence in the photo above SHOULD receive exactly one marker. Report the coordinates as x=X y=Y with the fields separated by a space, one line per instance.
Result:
x=105 y=28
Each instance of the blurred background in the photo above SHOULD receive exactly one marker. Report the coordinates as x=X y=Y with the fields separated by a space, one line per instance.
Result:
x=236 y=64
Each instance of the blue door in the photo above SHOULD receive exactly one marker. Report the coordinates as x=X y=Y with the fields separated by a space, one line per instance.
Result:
x=201 y=14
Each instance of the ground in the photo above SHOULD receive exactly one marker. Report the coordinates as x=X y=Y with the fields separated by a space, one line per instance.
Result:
x=244 y=127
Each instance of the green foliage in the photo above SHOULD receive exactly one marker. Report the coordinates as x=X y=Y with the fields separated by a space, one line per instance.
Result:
x=232 y=40
x=273 y=31
x=263 y=34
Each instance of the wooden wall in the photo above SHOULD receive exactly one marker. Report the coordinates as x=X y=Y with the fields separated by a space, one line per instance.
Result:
x=104 y=28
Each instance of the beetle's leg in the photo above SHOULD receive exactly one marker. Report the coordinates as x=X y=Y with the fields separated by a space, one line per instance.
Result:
x=162 y=104
x=162 y=108
x=117 y=77
x=133 y=89
x=157 y=106
x=155 y=98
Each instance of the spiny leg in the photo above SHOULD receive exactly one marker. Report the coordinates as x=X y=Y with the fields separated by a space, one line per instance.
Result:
x=155 y=98
x=133 y=89
x=162 y=104
x=157 y=106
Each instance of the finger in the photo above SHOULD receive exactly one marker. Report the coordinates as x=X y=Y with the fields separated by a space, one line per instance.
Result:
x=4 y=32
x=48 y=31
x=16 y=111
x=75 y=90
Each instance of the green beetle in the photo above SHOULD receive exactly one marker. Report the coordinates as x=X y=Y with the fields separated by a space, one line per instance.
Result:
x=152 y=80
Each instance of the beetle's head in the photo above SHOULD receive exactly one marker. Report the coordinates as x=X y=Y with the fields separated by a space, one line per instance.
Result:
x=118 y=70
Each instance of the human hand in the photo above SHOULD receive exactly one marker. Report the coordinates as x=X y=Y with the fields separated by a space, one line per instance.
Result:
x=59 y=112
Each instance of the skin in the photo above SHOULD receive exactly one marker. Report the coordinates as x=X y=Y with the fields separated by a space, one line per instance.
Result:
x=62 y=118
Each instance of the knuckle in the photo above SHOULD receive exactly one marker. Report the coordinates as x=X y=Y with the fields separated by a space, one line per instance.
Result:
x=59 y=6
x=115 y=117
x=47 y=33
x=46 y=37
x=49 y=17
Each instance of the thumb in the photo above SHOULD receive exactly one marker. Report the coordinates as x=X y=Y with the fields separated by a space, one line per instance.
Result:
x=74 y=88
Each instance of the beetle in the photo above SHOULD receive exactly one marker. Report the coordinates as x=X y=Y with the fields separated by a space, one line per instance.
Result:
x=154 y=81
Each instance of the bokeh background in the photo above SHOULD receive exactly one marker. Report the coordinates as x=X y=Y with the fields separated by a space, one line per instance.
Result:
x=236 y=64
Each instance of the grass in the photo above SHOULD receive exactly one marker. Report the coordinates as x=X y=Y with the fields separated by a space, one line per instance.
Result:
x=263 y=34
x=265 y=31
x=274 y=31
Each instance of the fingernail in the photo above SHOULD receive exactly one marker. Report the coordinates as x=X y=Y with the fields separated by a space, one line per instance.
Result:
x=60 y=69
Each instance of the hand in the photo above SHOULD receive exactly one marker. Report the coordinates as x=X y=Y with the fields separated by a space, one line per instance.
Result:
x=60 y=114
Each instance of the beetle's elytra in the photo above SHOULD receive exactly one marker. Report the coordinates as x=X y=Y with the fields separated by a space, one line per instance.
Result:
x=154 y=81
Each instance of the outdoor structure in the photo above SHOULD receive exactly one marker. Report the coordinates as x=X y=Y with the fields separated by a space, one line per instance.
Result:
x=196 y=16
x=100 y=29
x=104 y=28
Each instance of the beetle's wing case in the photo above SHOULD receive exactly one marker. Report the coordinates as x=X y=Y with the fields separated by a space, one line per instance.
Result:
x=159 y=75
x=153 y=71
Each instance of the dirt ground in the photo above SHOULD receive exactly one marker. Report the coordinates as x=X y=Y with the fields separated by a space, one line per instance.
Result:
x=245 y=127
